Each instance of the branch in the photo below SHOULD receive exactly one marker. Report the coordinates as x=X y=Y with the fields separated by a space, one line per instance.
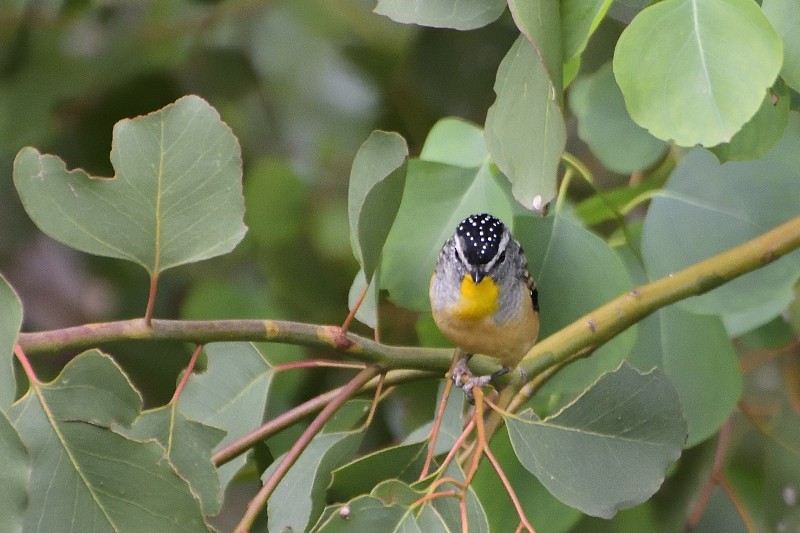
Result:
x=587 y=333
x=599 y=326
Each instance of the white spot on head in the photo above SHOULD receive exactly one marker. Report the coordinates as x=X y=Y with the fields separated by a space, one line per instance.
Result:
x=537 y=202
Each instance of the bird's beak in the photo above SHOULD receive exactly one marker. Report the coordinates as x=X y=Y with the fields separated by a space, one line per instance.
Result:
x=476 y=275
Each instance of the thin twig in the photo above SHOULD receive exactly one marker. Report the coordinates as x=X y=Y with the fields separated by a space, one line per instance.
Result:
x=351 y=315
x=509 y=489
x=290 y=417
x=151 y=299
x=716 y=471
x=260 y=500
x=187 y=373
x=738 y=504
x=26 y=364
x=316 y=363
x=437 y=422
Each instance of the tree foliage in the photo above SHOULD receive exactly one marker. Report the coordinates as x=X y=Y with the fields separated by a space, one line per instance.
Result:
x=163 y=367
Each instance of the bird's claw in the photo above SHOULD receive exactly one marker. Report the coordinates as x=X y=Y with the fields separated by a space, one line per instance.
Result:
x=463 y=377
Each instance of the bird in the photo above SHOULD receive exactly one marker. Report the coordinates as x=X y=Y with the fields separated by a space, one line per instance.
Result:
x=483 y=299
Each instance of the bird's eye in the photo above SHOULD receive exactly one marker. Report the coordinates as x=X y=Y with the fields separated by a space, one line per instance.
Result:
x=502 y=257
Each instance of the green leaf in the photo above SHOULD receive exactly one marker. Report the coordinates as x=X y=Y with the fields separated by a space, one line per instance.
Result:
x=762 y=131
x=609 y=448
x=176 y=198
x=702 y=365
x=367 y=312
x=10 y=322
x=105 y=481
x=565 y=258
x=299 y=499
x=230 y=395
x=669 y=509
x=696 y=354
x=366 y=514
x=188 y=445
x=455 y=14
x=525 y=131
x=695 y=71
x=540 y=21
x=597 y=102
x=92 y=388
x=376 y=188
x=728 y=202
x=402 y=462
x=579 y=19
x=784 y=15
x=455 y=142
x=15 y=470
x=440 y=196
x=425 y=518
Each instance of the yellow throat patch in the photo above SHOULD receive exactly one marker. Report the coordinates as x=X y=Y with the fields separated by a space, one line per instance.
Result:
x=477 y=301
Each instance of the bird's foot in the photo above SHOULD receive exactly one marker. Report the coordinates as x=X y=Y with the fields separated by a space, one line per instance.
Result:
x=463 y=377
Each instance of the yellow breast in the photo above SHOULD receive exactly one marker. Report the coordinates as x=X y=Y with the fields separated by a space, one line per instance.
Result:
x=477 y=300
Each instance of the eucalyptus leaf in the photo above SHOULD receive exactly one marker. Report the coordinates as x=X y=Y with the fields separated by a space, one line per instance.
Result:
x=701 y=363
x=10 y=322
x=299 y=499
x=366 y=514
x=525 y=131
x=403 y=462
x=188 y=445
x=609 y=449
x=230 y=395
x=604 y=124
x=105 y=480
x=436 y=198
x=732 y=202
x=367 y=312
x=540 y=21
x=455 y=142
x=376 y=188
x=15 y=471
x=176 y=197
x=784 y=15
x=762 y=131
x=579 y=19
x=455 y=14
x=695 y=71
x=565 y=259
x=696 y=353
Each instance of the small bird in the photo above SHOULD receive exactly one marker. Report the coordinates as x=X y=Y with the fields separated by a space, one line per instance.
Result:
x=483 y=298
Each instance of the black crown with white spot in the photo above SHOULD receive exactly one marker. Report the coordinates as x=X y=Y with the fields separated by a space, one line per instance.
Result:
x=481 y=235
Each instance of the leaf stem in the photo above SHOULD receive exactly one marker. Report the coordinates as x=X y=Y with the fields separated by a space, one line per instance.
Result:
x=187 y=373
x=343 y=394
x=509 y=489
x=151 y=299
x=351 y=315
x=26 y=364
